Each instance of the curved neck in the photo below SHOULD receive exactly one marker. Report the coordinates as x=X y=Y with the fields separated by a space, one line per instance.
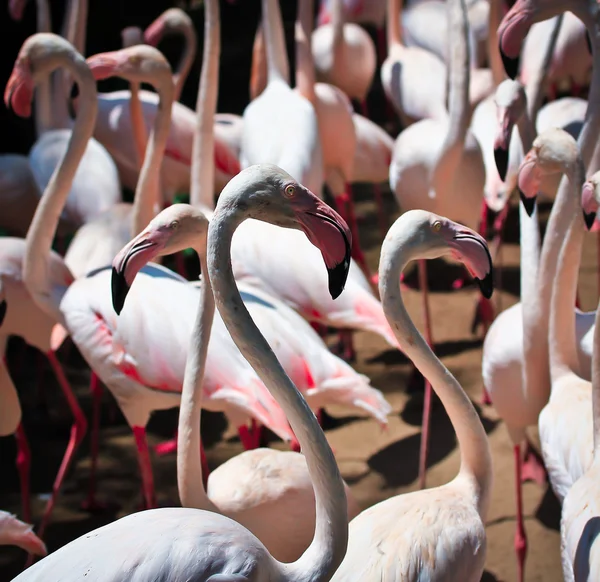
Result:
x=337 y=21
x=202 y=178
x=45 y=220
x=393 y=26
x=277 y=62
x=562 y=340
x=495 y=60
x=476 y=462
x=180 y=74
x=43 y=97
x=305 y=68
x=258 y=71
x=458 y=98
x=596 y=384
x=147 y=192
x=189 y=467
x=329 y=544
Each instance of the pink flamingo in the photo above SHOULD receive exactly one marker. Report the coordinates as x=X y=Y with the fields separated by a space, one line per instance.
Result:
x=437 y=534
x=14 y=532
x=185 y=544
x=438 y=165
x=265 y=490
x=580 y=512
x=344 y=55
x=416 y=96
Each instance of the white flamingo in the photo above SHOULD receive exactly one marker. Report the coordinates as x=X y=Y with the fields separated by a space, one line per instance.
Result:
x=185 y=544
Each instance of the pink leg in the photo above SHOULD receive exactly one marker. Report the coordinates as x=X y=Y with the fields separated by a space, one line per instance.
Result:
x=520 y=536
x=204 y=462
x=346 y=345
x=91 y=503
x=139 y=433
x=78 y=431
x=532 y=466
x=427 y=400
x=23 y=467
x=247 y=439
x=383 y=223
x=166 y=447
x=256 y=432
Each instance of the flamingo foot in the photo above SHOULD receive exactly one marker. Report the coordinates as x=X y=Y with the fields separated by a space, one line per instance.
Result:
x=484 y=315
x=166 y=447
x=533 y=467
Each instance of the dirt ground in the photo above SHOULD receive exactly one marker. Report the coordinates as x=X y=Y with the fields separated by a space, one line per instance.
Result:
x=377 y=464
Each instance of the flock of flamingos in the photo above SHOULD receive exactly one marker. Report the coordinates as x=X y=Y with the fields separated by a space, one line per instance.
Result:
x=279 y=265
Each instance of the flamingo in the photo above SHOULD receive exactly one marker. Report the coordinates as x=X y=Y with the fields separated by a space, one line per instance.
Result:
x=14 y=532
x=437 y=534
x=26 y=319
x=579 y=519
x=571 y=62
x=82 y=308
x=182 y=543
x=344 y=56
x=566 y=449
x=416 y=96
x=438 y=165
x=265 y=490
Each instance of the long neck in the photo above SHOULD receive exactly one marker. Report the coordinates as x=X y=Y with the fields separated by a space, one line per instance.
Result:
x=458 y=104
x=596 y=384
x=202 y=178
x=43 y=97
x=475 y=453
x=36 y=263
x=189 y=467
x=494 y=19
x=328 y=546
x=337 y=21
x=536 y=85
x=147 y=191
x=562 y=341
x=187 y=59
x=393 y=27
x=305 y=68
x=277 y=63
x=258 y=71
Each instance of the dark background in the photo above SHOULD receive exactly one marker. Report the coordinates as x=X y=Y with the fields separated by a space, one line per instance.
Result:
x=106 y=19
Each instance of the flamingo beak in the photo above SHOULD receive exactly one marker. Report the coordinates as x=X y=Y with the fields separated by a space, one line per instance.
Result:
x=19 y=91
x=588 y=204
x=328 y=231
x=472 y=250
x=3 y=307
x=512 y=30
x=501 y=144
x=128 y=263
x=528 y=181
x=528 y=203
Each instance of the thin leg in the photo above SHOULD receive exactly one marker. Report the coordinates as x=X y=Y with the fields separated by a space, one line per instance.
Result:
x=247 y=438
x=346 y=345
x=139 y=433
x=23 y=467
x=256 y=432
x=427 y=399
x=520 y=536
x=166 y=447
x=78 y=430
x=91 y=503
x=204 y=462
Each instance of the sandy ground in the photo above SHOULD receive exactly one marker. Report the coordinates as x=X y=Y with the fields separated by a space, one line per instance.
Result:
x=377 y=464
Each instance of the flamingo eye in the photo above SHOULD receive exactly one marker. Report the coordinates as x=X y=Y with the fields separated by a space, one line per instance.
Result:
x=290 y=190
x=174 y=225
x=436 y=226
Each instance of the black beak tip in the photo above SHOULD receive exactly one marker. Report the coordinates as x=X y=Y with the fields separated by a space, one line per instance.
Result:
x=2 y=311
x=589 y=42
x=501 y=158
x=119 y=288
x=511 y=66
x=588 y=218
x=486 y=285
x=339 y=275
x=528 y=203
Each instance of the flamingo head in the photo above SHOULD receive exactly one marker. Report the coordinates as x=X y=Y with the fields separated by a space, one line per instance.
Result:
x=268 y=193
x=430 y=236
x=178 y=227
x=553 y=151
x=511 y=103
x=139 y=63
x=590 y=200
x=172 y=20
